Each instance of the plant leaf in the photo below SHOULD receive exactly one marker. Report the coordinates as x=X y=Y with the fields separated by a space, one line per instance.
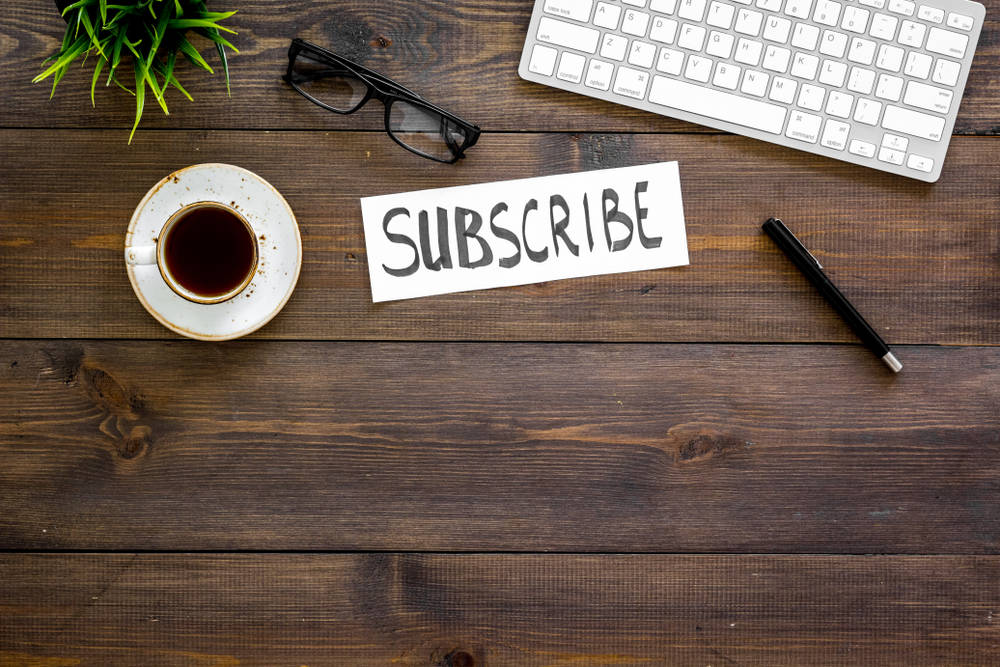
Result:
x=199 y=23
x=68 y=56
x=97 y=74
x=140 y=96
x=193 y=54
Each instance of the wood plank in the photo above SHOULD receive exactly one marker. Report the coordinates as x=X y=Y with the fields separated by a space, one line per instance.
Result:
x=919 y=260
x=351 y=446
x=487 y=610
x=461 y=54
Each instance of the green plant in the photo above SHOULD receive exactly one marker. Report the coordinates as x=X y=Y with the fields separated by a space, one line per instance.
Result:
x=152 y=32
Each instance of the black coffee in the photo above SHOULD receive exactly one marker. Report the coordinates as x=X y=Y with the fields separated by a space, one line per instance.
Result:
x=209 y=251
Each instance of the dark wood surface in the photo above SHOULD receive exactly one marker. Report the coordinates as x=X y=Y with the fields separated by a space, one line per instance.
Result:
x=690 y=466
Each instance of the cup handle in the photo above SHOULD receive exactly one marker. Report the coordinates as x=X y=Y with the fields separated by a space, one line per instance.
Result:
x=137 y=255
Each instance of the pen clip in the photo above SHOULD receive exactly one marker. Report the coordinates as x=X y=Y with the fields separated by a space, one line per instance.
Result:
x=792 y=239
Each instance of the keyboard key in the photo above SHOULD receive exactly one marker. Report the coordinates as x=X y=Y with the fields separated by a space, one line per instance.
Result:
x=803 y=126
x=599 y=74
x=947 y=43
x=862 y=148
x=839 y=104
x=693 y=10
x=641 y=54
x=890 y=156
x=670 y=61
x=726 y=76
x=827 y=12
x=861 y=80
x=635 y=23
x=946 y=72
x=720 y=15
x=833 y=73
x=776 y=29
x=877 y=4
x=918 y=65
x=578 y=10
x=568 y=35
x=912 y=34
x=631 y=82
x=833 y=44
x=805 y=36
x=663 y=30
x=867 y=112
x=663 y=6
x=571 y=67
x=783 y=90
x=769 y=5
x=607 y=16
x=835 y=134
x=932 y=14
x=698 y=69
x=720 y=44
x=543 y=60
x=913 y=123
x=748 y=51
x=717 y=104
x=691 y=37
x=798 y=8
x=927 y=97
x=904 y=7
x=811 y=97
x=890 y=58
x=862 y=51
x=804 y=66
x=776 y=58
x=895 y=142
x=748 y=22
x=889 y=87
x=919 y=162
x=755 y=83
x=960 y=21
x=884 y=27
x=855 y=20
x=614 y=47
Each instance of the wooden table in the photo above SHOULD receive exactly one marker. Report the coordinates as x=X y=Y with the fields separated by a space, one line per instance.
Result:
x=692 y=466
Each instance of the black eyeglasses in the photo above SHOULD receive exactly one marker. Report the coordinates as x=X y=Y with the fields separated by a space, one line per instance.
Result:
x=341 y=86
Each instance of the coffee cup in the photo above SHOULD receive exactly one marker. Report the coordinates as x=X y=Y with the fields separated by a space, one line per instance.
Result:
x=206 y=252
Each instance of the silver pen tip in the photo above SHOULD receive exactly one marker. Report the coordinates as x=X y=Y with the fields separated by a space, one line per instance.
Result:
x=892 y=362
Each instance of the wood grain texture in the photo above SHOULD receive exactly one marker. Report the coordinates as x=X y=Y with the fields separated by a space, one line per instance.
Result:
x=922 y=261
x=497 y=610
x=463 y=55
x=458 y=447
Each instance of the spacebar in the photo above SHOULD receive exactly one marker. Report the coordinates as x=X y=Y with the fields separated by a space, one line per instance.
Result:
x=716 y=104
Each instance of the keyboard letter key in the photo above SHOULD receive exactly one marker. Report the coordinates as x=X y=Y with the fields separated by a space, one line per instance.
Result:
x=717 y=104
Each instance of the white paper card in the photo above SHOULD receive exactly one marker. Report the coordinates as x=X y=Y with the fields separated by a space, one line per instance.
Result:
x=525 y=231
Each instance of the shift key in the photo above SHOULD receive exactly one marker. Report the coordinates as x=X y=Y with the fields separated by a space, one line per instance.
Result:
x=913 y=123
x=568 y=35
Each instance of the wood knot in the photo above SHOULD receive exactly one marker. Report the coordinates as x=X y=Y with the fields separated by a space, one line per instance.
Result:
x=706 y=446
x=381 y=42
x=138 y=440
x=459 y=659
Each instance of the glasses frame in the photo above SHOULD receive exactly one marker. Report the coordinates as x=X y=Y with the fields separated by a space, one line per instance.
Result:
x=384 y=90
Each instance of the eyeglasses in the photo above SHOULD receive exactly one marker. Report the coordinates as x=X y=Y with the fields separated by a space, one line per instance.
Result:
x=341 y=86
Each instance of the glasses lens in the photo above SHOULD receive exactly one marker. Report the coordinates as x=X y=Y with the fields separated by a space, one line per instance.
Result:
x=325 y=82
x=425 y=131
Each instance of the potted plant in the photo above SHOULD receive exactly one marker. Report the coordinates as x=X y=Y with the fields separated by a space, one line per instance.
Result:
x=147 y=33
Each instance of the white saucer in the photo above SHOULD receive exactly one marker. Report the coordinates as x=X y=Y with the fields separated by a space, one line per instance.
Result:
x=278 y=242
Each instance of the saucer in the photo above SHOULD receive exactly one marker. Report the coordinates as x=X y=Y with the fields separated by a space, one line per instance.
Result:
x=278 y=242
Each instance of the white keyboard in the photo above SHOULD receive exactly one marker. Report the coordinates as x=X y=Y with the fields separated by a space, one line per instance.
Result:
x=873 y=82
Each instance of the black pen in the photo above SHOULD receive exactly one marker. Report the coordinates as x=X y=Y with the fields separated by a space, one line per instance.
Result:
x=813 y=270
